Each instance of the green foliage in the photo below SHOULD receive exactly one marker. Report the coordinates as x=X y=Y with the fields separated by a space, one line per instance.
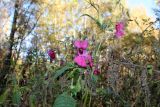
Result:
x=76 y=88
x=32 y=101
x=94 y=78
x=4 y=96
x=16 y=96
x=36 y=82
x=63 y=70
x=150 y=69
x=64 y=100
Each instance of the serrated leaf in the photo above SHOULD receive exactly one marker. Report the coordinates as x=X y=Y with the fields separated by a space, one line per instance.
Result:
x=64 y=100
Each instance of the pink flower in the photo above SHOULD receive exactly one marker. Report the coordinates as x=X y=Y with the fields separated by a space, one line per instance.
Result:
x=84 y=59
x=96 y=72
x=119 y=29
x=52 y=54
x=81 y=44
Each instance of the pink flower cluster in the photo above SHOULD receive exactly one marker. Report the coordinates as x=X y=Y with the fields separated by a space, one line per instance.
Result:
x=119 y=29
x=83 y=58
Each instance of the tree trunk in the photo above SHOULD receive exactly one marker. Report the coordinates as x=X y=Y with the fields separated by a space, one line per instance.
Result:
x=6 y=70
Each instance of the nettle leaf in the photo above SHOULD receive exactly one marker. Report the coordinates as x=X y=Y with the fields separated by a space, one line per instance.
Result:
x=4 y=96
x=63 y=70
x=64 y=100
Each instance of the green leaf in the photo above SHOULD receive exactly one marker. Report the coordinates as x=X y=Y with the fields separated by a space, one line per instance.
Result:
x=62 y=70
x=73 y=73
x=16 y=98
x=77 y=88
x=150 y=69
x=64 y=100
x=32 y=101
x=24 y=89
x=4 y=96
